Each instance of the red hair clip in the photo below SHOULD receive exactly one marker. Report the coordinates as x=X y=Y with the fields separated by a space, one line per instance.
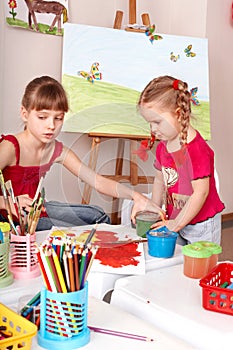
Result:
x=144 y=147
x=176 y=84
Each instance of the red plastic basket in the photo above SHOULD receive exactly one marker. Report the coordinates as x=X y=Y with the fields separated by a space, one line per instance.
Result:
x=216 y=297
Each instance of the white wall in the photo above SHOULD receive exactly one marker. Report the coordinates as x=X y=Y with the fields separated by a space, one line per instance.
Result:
x=25 y=54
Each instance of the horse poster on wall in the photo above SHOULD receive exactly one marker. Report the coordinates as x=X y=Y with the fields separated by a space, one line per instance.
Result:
x=41 y=16
x=104 y=70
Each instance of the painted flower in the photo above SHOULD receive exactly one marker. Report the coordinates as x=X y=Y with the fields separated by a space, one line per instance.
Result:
x=12 y=4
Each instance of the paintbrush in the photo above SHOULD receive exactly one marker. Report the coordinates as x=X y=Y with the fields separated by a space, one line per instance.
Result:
x=15 y=201
x=5 y=196
x=37 y=212
x=34 y=202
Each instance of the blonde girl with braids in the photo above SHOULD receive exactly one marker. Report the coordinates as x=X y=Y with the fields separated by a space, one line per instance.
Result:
x=184 y=167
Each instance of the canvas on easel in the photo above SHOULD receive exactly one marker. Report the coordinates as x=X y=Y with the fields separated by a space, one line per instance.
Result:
x=104 y=70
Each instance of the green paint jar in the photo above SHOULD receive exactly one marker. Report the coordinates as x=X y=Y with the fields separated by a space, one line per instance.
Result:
x=144 y=220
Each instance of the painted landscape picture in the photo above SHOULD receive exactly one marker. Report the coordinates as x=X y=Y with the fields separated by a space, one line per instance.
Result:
x=104 y=70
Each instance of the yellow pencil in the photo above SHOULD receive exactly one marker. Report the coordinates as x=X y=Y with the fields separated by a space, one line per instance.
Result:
x=59 y=271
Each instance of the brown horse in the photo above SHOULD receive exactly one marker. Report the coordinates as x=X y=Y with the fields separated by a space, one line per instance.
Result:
x=41 y=6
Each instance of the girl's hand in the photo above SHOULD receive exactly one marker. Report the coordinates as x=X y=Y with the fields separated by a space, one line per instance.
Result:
x=170 y=224
x=142 y=203
x=25 y=203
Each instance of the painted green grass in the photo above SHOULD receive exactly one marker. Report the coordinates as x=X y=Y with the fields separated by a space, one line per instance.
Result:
x=43 y=28
x=109 y=108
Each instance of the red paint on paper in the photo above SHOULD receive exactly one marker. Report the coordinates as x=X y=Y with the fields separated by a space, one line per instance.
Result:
x=117 y=256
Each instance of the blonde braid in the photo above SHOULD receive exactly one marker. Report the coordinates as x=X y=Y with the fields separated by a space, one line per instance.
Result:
x=183 y=103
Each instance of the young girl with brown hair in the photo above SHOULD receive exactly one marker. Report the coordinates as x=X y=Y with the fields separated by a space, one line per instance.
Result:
x=29 y=155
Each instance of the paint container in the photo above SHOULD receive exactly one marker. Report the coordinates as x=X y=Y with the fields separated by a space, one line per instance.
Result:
x=215 y=250
x=196 y=260
x=6 y=277
x=23 y=259
x=161 y=242
x=144 y=220
x=63 y=319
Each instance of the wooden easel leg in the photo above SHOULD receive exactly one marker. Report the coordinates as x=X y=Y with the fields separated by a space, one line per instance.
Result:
x=118 y=20
x=145 y=19
x=133 y=163
x=92 y=164
x=118 y=171
x=132 y=11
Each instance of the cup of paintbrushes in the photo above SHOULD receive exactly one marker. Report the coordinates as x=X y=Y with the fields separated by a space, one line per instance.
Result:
x=23 y=262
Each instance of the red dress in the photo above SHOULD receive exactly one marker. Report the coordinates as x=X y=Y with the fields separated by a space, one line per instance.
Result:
x=25 y=179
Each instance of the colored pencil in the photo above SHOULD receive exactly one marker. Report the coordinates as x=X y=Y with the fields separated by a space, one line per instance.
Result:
x=90 y=236
x=93 y=251
x=59 y=271
x=120 y=334
x=83 y=266
x=47 y=271
x=76 y=269
x=53 y=270
x=71 y=271
x=66 y=270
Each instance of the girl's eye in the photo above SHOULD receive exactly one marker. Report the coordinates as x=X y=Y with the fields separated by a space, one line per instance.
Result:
x=59 y=118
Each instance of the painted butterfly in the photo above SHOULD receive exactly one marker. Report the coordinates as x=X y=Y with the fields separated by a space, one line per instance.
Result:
x=150 y=33
x=194 y=99
x=174 y=58
x=188 y=51
x=93 y=75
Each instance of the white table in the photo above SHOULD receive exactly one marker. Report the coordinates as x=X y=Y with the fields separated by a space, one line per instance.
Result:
x=103 y=315
x=101 y=283
x=173 y=302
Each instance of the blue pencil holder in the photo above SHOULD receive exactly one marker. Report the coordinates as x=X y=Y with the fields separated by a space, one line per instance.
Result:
x=63 y=319
x=161 y=242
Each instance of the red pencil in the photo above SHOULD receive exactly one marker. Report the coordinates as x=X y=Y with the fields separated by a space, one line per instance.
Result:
x=76 y=269
x=43 y=271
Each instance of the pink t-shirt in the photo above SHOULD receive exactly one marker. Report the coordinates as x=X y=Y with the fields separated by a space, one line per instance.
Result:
x=179 y=168
x=25 y=179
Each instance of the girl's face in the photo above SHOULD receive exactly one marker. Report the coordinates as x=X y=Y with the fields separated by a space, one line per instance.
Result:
x=44 y=124
x=164 y=125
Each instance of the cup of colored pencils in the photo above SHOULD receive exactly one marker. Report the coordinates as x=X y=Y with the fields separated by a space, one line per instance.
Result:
x=65 y=265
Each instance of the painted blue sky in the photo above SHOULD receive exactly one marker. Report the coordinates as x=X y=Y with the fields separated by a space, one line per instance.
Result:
x=129 y=59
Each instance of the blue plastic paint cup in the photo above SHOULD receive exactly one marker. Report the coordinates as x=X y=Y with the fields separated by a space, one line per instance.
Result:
x=161 y=242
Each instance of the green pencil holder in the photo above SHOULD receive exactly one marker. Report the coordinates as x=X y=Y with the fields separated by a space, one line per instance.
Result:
x=63 y=319
x=6 y=277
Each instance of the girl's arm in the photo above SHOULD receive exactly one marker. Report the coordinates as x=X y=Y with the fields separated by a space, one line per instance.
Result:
x=192 y=207
x=104 y=185
x=158 y=190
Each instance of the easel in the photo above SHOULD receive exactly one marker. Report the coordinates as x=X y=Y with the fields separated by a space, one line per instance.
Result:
x=132 y=18
x=133 y=178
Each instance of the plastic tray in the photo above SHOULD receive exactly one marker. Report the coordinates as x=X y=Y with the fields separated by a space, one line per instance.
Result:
x=22 y=330
x=215 y=295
